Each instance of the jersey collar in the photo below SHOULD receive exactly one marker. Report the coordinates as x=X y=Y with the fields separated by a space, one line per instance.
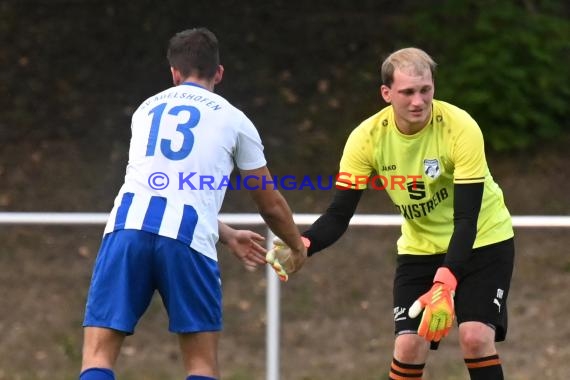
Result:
x=194 y=84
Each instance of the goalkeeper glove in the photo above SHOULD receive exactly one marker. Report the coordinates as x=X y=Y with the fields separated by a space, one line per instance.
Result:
x=438 y=303
x=281 y=258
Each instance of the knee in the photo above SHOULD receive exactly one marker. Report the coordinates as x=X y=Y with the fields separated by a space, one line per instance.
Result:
x=477 y=340
x=411 y=348
x=472 y=342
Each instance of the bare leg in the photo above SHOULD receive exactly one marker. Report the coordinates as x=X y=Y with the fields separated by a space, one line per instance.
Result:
x=411 y=348
x=476 y=339
x=200 y=353
x=101 y=347
x=478 y=345
x=410 y=354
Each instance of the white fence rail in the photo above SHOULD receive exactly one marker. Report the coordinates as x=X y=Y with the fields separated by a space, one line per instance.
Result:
x=273 y=285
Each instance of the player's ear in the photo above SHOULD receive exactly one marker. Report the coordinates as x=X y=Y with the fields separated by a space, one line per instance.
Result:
x=219 y=74
x=385 y=93
x=176 y=77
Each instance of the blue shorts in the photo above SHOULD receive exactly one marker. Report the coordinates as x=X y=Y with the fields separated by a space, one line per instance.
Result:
x=132 y=264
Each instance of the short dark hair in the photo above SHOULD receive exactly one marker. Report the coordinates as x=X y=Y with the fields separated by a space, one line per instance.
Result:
x=194 y=52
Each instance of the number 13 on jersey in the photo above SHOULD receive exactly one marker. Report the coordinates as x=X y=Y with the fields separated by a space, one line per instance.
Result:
x=183 y=128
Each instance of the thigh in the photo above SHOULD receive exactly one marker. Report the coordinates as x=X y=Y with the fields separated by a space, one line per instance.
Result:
x=122 y=285
x=190 y=286
x=482 y=294
x=414 y=277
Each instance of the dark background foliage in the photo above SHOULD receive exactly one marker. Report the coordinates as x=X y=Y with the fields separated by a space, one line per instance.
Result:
x=306 y=71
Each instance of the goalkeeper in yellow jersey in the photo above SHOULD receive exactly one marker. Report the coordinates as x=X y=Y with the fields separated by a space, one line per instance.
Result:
x=456 y=251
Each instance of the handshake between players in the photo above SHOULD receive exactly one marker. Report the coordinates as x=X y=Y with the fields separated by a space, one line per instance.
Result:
x=283 y=260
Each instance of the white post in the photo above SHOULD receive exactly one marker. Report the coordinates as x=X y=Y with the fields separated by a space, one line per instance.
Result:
x=273 y=323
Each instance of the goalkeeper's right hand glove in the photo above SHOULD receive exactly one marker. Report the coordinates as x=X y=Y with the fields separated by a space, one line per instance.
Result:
x=439 y=311
x=282 y=259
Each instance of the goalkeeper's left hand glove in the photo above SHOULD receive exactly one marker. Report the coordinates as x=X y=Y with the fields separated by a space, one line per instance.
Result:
x=281 y=258
x=439 y=309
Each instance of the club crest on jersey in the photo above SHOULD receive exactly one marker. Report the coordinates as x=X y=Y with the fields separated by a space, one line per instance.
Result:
x=431 y=168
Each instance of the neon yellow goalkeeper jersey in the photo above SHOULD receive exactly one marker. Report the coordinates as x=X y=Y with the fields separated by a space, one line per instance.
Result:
x=418 y=172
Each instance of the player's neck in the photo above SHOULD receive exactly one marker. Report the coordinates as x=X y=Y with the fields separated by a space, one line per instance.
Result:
x=207 y=84
x=410 y=128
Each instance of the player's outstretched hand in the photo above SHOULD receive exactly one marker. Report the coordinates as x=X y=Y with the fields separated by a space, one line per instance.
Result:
x=245 y=245
x=283 y=260
x=439 y=311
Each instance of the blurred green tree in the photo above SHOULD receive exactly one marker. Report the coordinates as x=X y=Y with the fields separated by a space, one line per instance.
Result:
x=505 y=62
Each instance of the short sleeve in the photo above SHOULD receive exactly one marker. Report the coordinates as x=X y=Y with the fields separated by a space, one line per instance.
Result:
x=249 y=148
x=469 y=154
x=356 y=162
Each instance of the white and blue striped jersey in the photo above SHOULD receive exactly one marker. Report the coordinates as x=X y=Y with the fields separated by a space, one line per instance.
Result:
x=184 y=144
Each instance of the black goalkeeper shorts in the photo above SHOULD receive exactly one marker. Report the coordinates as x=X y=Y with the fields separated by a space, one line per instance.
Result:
x=481 y=293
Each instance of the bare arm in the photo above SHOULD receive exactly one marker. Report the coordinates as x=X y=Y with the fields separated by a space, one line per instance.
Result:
x=275 y=211
x=244 y=244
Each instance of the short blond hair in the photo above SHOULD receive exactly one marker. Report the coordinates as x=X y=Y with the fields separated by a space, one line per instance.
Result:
x=411 y=60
